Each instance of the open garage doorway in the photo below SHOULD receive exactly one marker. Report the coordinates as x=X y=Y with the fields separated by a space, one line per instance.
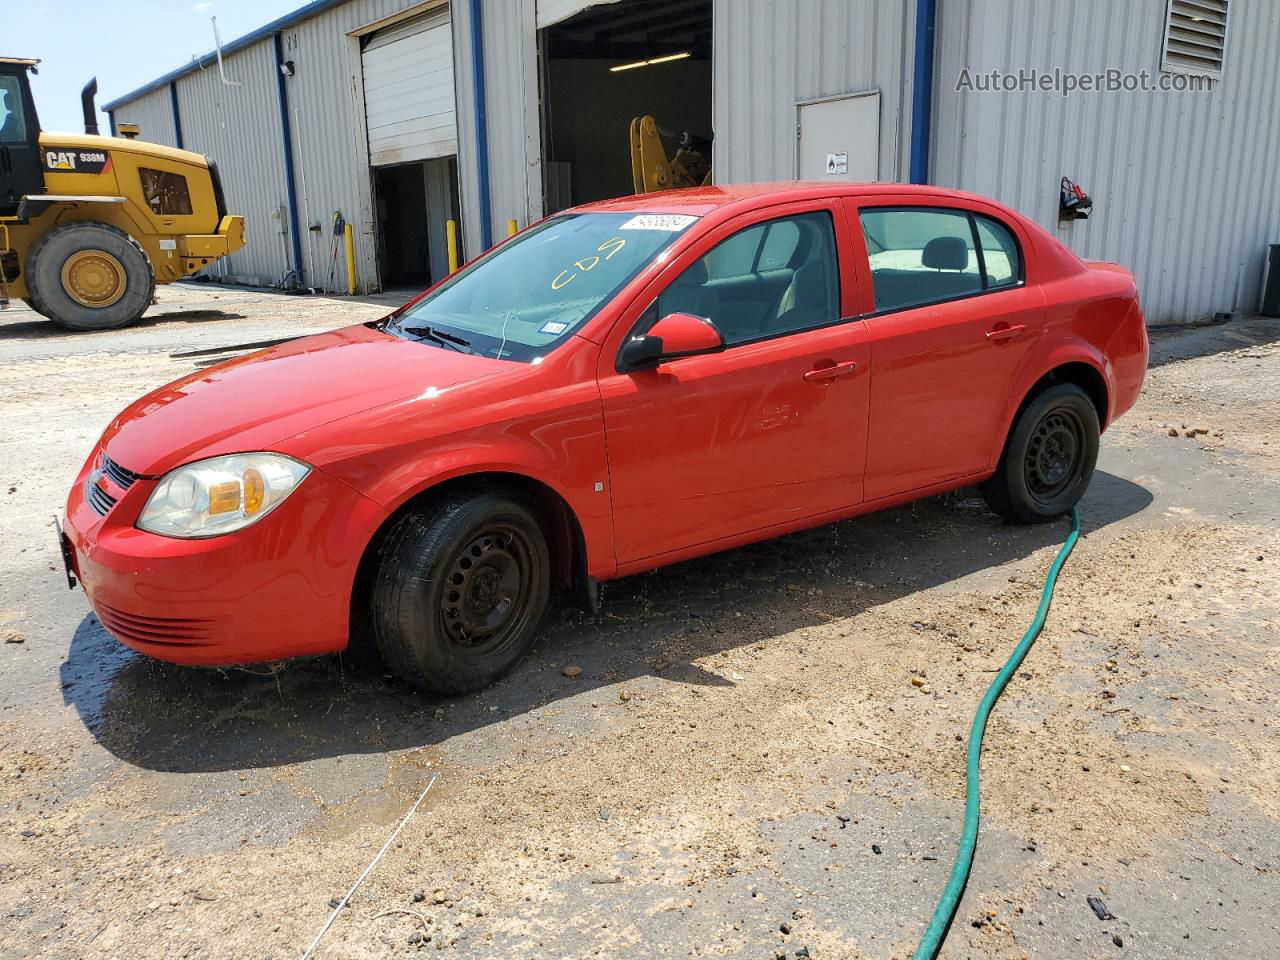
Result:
x=604 y=67
x=413 y=202
x=413 y=145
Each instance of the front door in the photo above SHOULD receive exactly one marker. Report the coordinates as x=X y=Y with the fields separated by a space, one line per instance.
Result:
x=951 y=324
x=20 y=170
x=771 y=429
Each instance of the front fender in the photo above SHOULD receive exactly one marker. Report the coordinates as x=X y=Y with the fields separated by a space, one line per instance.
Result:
x=588 y=506
x=554 y=438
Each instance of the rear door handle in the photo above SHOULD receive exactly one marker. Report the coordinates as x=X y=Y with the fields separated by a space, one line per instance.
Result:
x=1006 y=332
x=832 y=371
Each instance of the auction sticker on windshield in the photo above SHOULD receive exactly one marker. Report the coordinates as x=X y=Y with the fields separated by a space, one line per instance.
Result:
x=658 y=221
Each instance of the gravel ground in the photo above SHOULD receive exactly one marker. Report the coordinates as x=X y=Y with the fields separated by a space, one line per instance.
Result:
x=744 y=766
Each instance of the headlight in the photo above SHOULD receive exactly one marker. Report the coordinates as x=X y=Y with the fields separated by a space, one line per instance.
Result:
x=212 y=497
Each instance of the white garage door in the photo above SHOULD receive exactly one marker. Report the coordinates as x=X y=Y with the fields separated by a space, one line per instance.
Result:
x=408 y=91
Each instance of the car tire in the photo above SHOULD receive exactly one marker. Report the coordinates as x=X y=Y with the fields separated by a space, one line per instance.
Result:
x=89 y=276
x=460 y=591
x=1048 y=459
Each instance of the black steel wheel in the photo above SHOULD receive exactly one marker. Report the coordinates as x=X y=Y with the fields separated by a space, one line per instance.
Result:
x=1055 y=455
x=489 y=589
x=1048 y=459
x=460 y=590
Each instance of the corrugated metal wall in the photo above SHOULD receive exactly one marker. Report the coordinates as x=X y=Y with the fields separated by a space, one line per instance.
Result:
x=770 y=55
x=239 y=128
x=153 y=114
x=511 y=97
x=331 y=150
x=1185 y=188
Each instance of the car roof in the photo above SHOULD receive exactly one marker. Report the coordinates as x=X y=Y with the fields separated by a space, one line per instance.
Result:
x=700 y=201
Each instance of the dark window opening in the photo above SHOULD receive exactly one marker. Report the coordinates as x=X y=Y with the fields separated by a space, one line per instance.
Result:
x=166 y=192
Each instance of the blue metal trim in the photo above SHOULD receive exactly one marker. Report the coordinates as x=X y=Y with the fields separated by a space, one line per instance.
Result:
x=922 y=90
x=177 y=117
x=111 y=119
x=482 y=127
x=286 y=134
x=249 y=39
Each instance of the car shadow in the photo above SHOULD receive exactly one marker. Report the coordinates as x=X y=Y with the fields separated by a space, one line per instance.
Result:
x=181 y=719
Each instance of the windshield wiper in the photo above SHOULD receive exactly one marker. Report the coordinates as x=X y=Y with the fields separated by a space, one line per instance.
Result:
x=439 y=336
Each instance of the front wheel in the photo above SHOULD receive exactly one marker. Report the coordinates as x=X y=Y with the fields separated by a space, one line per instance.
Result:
x=460 y=591
x=1048 y=459
x=89 y=276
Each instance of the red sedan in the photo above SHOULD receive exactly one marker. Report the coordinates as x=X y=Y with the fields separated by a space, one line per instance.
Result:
x=623 y=385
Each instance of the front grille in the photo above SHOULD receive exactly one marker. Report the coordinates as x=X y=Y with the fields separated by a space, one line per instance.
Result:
x=135 y=629
x=99 y=499
x=122 y=478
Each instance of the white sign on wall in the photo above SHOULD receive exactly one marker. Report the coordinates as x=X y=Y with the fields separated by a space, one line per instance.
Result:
x=837 y=164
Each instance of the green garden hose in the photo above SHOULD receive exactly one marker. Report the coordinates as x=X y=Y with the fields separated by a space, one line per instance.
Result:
x=931 y=942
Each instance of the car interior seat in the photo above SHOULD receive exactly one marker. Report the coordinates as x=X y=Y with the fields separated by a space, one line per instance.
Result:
x=689 y=293
x=807 y=301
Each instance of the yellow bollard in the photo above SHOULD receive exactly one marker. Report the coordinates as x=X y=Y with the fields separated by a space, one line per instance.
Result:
x=511 y=228
x=351 y=260
x=451 y=239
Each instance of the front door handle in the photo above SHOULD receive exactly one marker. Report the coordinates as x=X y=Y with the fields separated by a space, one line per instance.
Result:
x=831 y=371
x=1005 y=332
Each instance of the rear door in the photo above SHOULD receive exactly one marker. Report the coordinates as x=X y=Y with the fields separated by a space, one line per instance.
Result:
x=20 y=170
x=951 y=321
x=769 y=430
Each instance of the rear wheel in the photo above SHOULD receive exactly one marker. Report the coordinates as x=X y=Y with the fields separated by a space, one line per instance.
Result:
x=1048 y=459
x=89 y=276
x=460 y=591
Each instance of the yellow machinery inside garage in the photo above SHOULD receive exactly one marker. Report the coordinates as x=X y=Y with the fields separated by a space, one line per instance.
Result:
x=612 y=64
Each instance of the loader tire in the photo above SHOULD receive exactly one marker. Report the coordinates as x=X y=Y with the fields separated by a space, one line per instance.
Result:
x=89 y=276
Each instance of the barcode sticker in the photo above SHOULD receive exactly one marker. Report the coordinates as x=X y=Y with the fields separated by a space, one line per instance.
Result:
x=669 y=222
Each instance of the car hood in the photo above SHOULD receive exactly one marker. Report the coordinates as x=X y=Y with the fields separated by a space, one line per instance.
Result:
x=255 y=401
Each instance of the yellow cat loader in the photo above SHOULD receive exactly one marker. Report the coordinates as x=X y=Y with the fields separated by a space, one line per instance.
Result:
x=88 y=224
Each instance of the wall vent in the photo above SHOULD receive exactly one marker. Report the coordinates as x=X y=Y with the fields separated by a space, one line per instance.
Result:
x=1195 y=37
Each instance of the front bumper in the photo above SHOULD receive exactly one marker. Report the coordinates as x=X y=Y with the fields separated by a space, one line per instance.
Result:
x=199 y=249
x=280 y=588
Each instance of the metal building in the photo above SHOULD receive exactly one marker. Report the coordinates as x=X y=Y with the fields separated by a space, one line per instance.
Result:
x=399 y=115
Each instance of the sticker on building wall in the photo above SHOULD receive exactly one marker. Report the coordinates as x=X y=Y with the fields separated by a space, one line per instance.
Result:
x=670 y=222
x=837 y=163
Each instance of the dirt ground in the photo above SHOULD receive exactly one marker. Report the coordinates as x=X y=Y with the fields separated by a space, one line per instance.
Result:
x=744 y=767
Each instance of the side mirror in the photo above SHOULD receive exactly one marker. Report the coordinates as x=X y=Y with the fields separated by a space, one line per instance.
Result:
x=675 y=335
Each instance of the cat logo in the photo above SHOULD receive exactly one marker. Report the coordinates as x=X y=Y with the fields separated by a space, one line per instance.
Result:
x=75 y=161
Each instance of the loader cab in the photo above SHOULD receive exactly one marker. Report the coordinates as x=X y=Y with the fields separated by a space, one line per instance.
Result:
x=21 y=173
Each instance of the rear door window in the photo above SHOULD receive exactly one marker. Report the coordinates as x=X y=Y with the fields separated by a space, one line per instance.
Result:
x=921 y=255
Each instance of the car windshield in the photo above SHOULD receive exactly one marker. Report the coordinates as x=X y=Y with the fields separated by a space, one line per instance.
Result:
x=520 y=301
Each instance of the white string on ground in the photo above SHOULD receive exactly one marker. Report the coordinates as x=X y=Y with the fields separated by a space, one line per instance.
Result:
x=372 y=863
